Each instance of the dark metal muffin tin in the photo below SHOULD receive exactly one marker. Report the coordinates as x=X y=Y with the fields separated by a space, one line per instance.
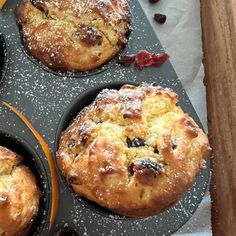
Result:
x=44 y=96
x=3 y=56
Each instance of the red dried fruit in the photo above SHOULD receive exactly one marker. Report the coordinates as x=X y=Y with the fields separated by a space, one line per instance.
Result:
x=145 y=59
x=160 y=18
x=126 y=60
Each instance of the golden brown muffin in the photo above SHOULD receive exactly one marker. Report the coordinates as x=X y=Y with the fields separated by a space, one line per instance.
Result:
x=74 y=35
x=19 y=195
x=133 y=150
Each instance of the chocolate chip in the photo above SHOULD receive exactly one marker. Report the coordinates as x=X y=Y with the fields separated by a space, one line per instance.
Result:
x=66 y=231
x=160 y=18
x=136 y=142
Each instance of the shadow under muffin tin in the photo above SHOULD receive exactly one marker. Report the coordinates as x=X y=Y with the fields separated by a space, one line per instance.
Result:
x=44 y=96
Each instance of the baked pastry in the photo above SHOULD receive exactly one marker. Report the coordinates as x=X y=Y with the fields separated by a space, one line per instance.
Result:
x=133 y=150
x=74 y=35
x=19 y=195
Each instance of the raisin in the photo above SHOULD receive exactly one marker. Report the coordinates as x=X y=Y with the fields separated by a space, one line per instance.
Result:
x=136 y=142
x=66 y=231
x=160 y=18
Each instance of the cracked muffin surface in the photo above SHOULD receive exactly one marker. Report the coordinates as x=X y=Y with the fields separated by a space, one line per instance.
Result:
x=74 y=35
x=133 y=150
x=19 y=195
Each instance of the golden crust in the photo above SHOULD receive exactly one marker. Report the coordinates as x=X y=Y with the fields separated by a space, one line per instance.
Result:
x=19 y=195
x=74 y=35
x=133 y=150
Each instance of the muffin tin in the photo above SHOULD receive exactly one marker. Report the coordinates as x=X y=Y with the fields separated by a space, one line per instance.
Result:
x=50 y=101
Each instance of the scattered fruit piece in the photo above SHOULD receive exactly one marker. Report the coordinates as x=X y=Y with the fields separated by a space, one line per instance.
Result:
x=143 y=59
x=126 y=60
x=160 y=18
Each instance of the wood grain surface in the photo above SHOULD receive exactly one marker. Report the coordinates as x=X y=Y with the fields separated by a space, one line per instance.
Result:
x=219 y=45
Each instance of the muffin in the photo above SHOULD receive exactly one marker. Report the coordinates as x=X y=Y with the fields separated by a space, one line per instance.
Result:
x=74 y=35
x=133 y=150
x=19 y=195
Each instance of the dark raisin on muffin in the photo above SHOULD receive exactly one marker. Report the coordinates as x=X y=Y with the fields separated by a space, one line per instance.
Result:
x=73 y=35
x=19 y=195
x=141 y=151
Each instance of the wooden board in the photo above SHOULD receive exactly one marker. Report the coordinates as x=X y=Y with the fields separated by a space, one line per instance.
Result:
x=219 y=45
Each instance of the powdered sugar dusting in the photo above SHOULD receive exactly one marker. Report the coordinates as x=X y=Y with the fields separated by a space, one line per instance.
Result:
x=43 y=96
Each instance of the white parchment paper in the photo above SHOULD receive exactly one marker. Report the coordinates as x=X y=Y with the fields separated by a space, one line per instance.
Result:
x=181 y=38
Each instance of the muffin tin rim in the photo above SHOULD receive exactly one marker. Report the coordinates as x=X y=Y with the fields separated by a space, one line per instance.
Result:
x=35 y=157
x=6 y=56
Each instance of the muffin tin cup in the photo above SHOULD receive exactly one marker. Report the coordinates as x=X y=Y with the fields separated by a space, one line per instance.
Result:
x=3 y=57
x=80 y=74
x=81 y=101
x=32 y=160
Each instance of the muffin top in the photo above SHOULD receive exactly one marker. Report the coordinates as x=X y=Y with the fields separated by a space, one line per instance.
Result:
x=19 y=195
x=74 y=35
x=133 y=150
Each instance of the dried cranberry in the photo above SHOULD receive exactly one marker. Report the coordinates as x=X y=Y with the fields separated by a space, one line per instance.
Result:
x=146 y=163
x=145 y=59
x=159 y=59
x=160 y=18
x=66 y=231
x=156 y=150
x=71 y=143
x=126 y=60
x=174 y=145
x=136 y=142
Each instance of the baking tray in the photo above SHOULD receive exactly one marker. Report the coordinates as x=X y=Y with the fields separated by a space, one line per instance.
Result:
x=43 y=97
